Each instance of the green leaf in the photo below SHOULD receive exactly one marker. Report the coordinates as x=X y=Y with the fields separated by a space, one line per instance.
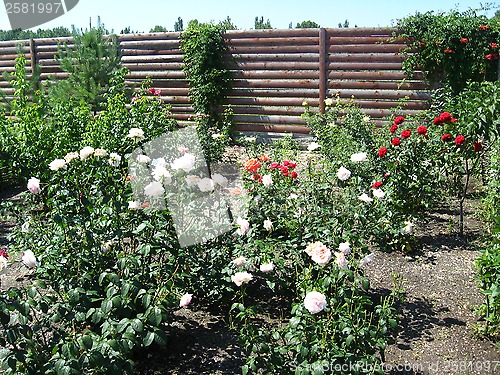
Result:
x=137 y=325
x=86 y=342
x=148 y=339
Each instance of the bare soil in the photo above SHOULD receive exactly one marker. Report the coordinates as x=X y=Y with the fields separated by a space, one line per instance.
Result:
x=436 y=332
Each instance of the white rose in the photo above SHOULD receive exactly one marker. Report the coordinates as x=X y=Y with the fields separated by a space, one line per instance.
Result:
x=293 y=196
x=359 y=157
x=185 y=300
x=315 y=302
x=161 y=174
x=241 y=277
x=379 y=193
x=313 y=146
x=305 y=103
x=134 y=205
x=114 y=159
x=365 y=198
x=217 y=136
x=158 y=162
x=86 y=152
x=192 y=180
x=29 y=259
x=343 y=173
x=71 y=156
x=206 y=185
x=408 y=228
x=220 y=179
x=185 y=162
x=266 y=267
x=57 y=164
x=328 y=102
x=267 y=180
x=268 y=225
x=321 y=255
x=34 y=185
x=154 y=189
x=244 y=226
x=3 y=263
x=240 y=261
x=345 y=247
x=366 y=259
x=340 y=260
x=99 y=152
x=143 y=158
x=366 y=119
x=136 y=134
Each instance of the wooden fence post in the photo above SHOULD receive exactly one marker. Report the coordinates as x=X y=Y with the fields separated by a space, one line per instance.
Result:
x=323 y=74
x=33 y=59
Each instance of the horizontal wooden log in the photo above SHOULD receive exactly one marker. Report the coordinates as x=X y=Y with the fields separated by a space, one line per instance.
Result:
x=181 y=93
x=52 y=41
x=275 y=74
x=268 y=111
x=179 y=109
x=153 y=66
x=366 y=48
x=293 y=41
x=161 y=84
x=367 y=57
x=14 y=50
x=272 y=49
x=12 y=57
x=137 y=52
x=385 y=113
x=174 y=99
x=364 y=66
x=371 y=85
x=12 y=43
x=381 y=94
x=151 y=58
x=361 y=31
x=153 y=44
x=385 y=104
x=368 y=76
x=247 y=92
x=60 y=75
x=174 y=35
x=333 y=40
x=166 y=74
x=53 y=48
x=298 y=129
x=9 y=69
x=263 y=33
x=269 y=119
x=291 y=57
x=276 y=83
x=275 y=65
x=286 y=102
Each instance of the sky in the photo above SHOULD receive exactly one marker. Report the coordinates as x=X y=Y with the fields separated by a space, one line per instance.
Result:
x=143 y=15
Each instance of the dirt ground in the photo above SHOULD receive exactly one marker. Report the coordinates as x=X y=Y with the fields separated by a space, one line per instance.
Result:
x=435 y=336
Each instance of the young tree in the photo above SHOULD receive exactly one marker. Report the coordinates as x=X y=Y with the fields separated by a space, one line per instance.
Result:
x=260 y=24
x=179 y=25
x=91 y=63
x=158 y=29
x=307 y=25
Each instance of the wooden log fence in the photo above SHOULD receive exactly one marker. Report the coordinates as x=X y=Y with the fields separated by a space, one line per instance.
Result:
x=274 y=72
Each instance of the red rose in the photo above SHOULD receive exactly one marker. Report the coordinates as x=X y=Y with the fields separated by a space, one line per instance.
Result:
x=377 y=184
x=459 y=140
x=274 y=165
x=478 y=146
x=445 y=117
x=491 y=56
x=396 y=141
x=294 y=174
x=494 y=45
x=4 y=254
x=421 y=130
x=257 y=177
x=399 y=120
x=405 y=133
x=464 y=40
x=448 y=50
x=292 y=164
x=437 y=121
x=382 y=152
x=483 y=27
x=446 y=137
x=285 y=163
x=393 y=128
x=453 y=119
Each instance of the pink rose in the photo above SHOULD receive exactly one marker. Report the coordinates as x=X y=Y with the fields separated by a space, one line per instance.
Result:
x=185 y=300
x=34 y=185
x=315 y=302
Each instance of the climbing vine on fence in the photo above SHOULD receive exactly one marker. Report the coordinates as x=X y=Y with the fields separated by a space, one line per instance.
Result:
x=452 y=48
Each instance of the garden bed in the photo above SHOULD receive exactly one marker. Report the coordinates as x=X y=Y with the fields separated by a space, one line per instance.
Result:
x=436 y=331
